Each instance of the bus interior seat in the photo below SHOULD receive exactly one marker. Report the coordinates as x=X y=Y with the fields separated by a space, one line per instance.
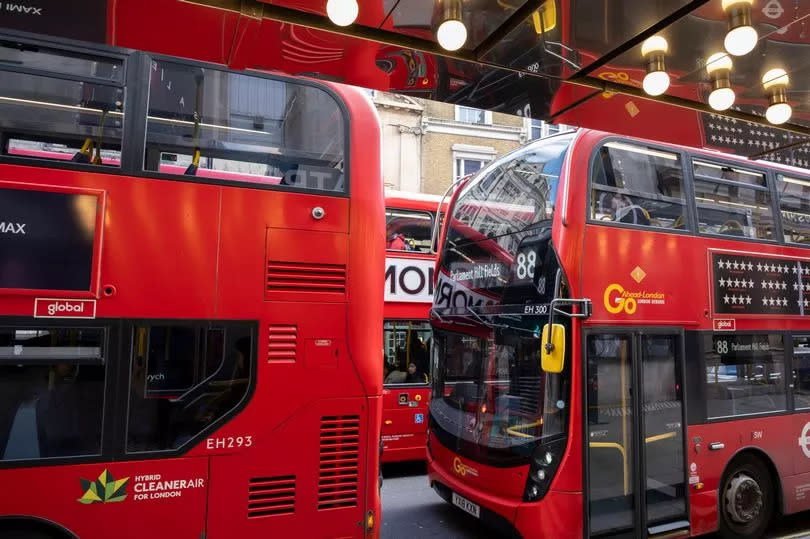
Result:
x=722 y=400
x=732 y=227
x=396 y=377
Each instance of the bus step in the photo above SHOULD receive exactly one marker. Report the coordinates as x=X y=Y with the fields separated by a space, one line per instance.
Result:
x=679 y=528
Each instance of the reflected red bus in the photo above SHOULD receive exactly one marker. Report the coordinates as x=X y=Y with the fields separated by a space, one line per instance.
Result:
x=182 y=249
x=410 y=261
x=621 y=339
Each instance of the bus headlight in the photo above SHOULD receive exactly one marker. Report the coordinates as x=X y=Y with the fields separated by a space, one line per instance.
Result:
x=543 y=466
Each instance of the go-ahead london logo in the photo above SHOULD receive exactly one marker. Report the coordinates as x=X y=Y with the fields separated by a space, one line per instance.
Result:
x=104 y=489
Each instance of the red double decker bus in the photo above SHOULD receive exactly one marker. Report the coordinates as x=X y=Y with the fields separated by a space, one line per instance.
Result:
x=620 y=342
x=410 y=261
x=182 y=249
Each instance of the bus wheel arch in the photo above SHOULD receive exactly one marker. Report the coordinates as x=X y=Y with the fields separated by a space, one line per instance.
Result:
x=29 y=527
x=749 y=495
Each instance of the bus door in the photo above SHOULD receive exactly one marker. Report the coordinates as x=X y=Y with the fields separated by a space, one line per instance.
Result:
x=636 y=477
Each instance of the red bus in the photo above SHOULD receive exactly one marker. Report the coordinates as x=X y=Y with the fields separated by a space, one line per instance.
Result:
x=409 y=265
x=182 y=250
x=621 y=342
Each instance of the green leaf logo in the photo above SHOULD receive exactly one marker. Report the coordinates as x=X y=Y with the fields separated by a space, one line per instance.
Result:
x=104 y=489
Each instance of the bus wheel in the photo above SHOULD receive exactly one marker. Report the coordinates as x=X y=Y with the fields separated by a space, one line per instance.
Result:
x=746 y=499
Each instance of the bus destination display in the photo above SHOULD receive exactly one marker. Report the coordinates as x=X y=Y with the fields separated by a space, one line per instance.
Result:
x=46 y=239
x=760 y=285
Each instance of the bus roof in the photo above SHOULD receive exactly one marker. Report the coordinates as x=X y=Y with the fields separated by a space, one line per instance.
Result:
x=413 y=201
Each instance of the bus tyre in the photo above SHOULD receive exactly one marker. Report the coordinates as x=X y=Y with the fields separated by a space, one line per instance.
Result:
x=746 y=499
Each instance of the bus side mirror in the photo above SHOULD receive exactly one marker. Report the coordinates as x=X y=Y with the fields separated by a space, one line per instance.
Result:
x=552 y=351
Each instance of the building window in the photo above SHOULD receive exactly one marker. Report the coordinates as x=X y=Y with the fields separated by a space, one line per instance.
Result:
x=465 y=165
x=469 y=159
x=473 y=116
x=539 y=129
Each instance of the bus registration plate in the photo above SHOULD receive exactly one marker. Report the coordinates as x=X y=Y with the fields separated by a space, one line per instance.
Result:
x=467 y=505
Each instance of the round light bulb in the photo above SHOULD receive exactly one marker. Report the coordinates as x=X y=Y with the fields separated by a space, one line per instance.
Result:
x=741 y=40
x=452 y=34
x=541 y=475
x=656 y=83
x=778 y=113
x=342 y=12
x=654 y=44
x=717 y=61
x=721 y=99
x=774 y=77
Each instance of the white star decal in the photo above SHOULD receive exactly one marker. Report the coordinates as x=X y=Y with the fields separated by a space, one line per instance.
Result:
x=750 y=267
x=736 y=265
x=726 y=298
x=759 y=266
x=748 y=300
x=734 y=300
x=722 y=283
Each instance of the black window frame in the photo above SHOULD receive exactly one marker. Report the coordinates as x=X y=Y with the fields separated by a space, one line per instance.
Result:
x=136 y=66
x=776 y=174
x=127 y=358
x=687 y=157
x=412 y=385
x=696 y=385
x=695 y=159
x=690 y=222
x=432 y=216
x=112 y=367
x=118 y=364
x=81 y=49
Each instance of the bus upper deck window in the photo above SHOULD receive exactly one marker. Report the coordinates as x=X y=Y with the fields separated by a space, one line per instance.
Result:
x=732 y=201
x=637 y=185
x=66 y=117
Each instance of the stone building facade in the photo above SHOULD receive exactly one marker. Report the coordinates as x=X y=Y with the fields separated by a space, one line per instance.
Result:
x=427 y=144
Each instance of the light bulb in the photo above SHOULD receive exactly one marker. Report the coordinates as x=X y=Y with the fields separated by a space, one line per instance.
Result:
x=452 y=34
x=778 y=113
x=741 y=40
x=718 y=61
x=775 y=77
x=342 y=12
x=654 y=44
x=656 y=82
x=721 y=98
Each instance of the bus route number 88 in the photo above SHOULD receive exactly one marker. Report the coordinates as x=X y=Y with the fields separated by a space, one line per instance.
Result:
x=721 y=347
x=526 y=264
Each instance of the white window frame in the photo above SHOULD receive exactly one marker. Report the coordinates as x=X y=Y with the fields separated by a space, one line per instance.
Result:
x=487 y=115
x=485 y=154
x=530 y=126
